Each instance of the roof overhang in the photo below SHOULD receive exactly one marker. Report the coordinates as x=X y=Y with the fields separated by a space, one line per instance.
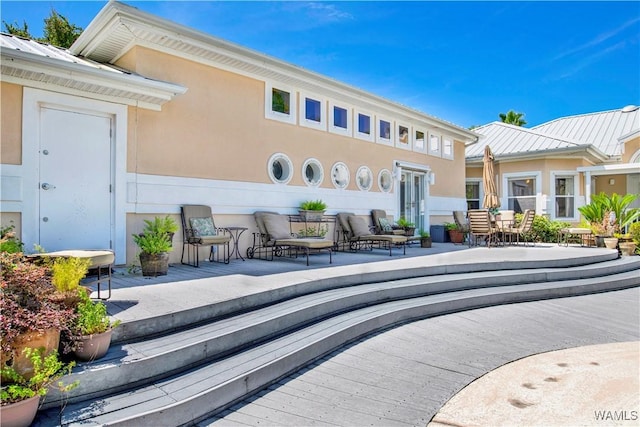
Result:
x=613 y=169
x=588 y=152
x=119 y=27
x=43 y=72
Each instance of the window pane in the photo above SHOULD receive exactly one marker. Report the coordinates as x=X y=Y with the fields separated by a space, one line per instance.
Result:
x=419 y=139
x=564 y=186
x=280 y=101
x=312 y=110
x=473 y=190
x=521 y=187
x=385 y=129
x=340 y=117
x=364 y=124
x=447 y=147
x=434 y=143
x=403 y=134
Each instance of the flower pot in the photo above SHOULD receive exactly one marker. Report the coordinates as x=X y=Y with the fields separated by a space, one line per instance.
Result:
x=19 y=414
x=50 y=340
x=92 y=347
x=456 y=236
x=627 y=248
x=599 y=241
x=611 y=242
x=154 y=264
x=409 y=231
x=310 y=216
x=425 y=242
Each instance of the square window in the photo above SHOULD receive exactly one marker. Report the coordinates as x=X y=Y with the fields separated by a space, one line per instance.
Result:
x=385 y=129
x=447 y=148
x=340 y=117
x=312 y=110
x=434 y=145
x=280 y=101
x=403 y=135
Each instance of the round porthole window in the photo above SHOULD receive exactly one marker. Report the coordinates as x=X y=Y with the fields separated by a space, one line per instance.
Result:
x=364 y=178
x=340 y=175
x=385 y=180
x=312 y=172
x=280 y=168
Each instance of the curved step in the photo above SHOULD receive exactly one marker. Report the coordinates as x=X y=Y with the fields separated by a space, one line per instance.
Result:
x=136 y=363
x=224 y=382
x=163 y=324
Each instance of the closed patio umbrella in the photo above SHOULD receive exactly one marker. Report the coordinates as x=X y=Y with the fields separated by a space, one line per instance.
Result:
x=490 y=192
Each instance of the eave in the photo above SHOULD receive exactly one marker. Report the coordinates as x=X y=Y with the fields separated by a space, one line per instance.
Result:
x=588 y=152
x=48 y=73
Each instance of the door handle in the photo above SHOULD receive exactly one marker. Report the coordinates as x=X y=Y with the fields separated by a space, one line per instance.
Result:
x=47 y=186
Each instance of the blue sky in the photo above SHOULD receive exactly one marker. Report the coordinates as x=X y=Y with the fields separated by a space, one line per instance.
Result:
x=464 y=62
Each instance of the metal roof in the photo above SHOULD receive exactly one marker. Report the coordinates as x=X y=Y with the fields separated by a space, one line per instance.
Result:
x=600 y=132
x=42 y=65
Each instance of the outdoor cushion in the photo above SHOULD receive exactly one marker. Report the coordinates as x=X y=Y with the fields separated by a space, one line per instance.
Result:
x=385 y=225
x=358 y=226
x=277 y=226
x=203 y=227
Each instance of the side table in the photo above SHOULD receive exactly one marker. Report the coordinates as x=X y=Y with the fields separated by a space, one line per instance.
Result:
x=235 y=233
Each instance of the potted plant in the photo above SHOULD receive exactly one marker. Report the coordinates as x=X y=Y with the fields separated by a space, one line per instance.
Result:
x=628 y=247
x=425 y=238
x=312 y=210
x=166 y=225
x=30 y=315
x=20 y=397
x=456 y=235
x=154 y=252
x=91 y=329
x=66 y=275
x=408 y=227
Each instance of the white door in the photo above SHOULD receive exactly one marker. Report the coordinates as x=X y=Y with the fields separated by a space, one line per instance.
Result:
x=412 y=203
x=75 y=203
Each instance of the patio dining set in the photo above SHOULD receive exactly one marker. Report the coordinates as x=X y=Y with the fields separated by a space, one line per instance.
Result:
x=480 y=226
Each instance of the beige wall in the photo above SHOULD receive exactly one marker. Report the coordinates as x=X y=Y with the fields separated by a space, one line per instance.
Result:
x=218 y=130
x=11 y=123
x=619 y=184
x=8 y=219
x=631 y=148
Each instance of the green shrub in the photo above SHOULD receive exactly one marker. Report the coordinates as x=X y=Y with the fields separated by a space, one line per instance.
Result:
x=68 y=271
x=8 y=240
x=634 y=232
x=313 y=205
x=543 y=229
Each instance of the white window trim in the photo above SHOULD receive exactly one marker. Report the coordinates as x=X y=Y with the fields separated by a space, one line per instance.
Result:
x=442 y=144
x=382 y=172
x=409 y=143
x=480 y=189
x=337 y=129
x=537 y=175
x=392 y=131
x=552 y=194
x=322 y=125
x=290 y=118
x=335 y=184
x=425 y=140
x=372 y=122
x=284 y=157
x=430 y=151
x=319 y=168
x=358 y=172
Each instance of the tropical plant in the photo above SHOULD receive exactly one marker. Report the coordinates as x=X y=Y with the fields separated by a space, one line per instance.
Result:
x=164 y=225
x=8 y=240
x=67 y=273
x=27 y=301
x=313 y=205
x=601 y=204
x=404 y=223
x=634 y=232
x=57 y=30
x=153 y=242
x=513 y=118
x=47 y=369
x=424 y=233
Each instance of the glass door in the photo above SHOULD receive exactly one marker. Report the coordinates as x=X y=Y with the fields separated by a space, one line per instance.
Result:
x=412 y=203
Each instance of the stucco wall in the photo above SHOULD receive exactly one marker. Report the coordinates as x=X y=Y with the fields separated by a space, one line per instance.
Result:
x=11 y=123
x=631 y=148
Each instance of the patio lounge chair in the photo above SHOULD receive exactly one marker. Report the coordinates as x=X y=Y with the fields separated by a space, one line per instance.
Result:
x=521 y=232
x=274 y=239
x=356 y=235
x=199 y=229
x=480 y=226
x=383 y=225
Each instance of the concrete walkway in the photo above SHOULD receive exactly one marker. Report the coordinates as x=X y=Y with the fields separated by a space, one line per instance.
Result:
x=404 y=376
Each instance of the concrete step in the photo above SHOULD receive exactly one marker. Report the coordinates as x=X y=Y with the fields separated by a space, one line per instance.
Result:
x=198 y=392
x=137 y=364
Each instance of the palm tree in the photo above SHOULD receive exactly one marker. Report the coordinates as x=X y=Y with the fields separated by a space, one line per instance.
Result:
x=513 y=118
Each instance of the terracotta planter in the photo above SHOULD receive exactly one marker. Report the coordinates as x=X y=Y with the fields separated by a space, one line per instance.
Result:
x=627 y=248
x=154 y=264
x=611 y=242
x=50 y=340
x=92 y=347
x=19 y=414
x=456 y=236
x=425 y=242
